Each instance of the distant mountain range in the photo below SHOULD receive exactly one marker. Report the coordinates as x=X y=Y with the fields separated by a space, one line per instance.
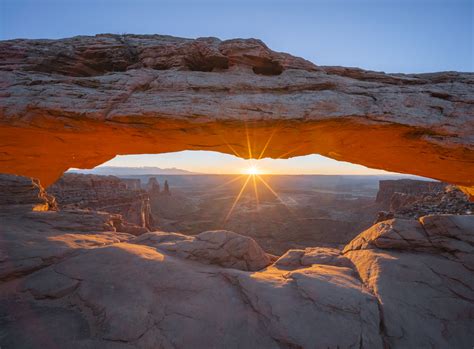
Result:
x=150 y=170
x=125 y=171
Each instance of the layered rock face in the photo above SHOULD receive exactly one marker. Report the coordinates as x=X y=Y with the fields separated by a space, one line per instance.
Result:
x=132 y=184
x=400 y=284
x=153 y=187
x=387 y=188
x=35 y=232
x=78 y=102
x=23 y=193
x=413 y=199
x=104 y=193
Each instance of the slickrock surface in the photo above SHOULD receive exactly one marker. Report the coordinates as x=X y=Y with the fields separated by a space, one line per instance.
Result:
x=80 y=101
x=104 y=193
x=399 y=284
x=422 y=272
x=32 y=240
x=219 y=247
x=294 y=259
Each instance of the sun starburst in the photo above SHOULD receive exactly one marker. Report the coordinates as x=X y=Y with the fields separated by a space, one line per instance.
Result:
x=254 y=174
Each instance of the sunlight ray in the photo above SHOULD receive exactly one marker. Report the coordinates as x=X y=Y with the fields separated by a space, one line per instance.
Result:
x=248 y=141
x=276 y=195
x=228 y=182
x=237 y=199
x=232 y=149
x=267 y=143
x=269 y=187
x=223 y=139
x=255 y=189
x=289 y=152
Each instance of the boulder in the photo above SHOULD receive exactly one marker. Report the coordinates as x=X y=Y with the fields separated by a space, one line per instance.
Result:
x=149 y=298
x=422 y=273
x=219 y=247
x=312 y=255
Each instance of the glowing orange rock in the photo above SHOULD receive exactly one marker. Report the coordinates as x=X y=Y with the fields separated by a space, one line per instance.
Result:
x=78 y=102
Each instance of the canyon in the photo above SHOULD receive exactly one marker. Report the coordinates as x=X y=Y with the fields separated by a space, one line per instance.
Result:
x=106 y=262
x=306 y=211
x=88 y=285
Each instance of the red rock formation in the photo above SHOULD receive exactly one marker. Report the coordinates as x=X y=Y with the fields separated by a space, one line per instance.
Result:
x=132 y=184
x=22 y=193
x=387 y=188
x=78 y=102
x=408 y=198
x=104 y=193
x=166 y=188
x=153 y=187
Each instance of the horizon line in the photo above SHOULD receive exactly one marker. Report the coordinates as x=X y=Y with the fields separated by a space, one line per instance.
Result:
x=260 y=174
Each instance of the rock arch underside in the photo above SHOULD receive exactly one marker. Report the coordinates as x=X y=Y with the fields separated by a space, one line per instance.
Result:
x=78 y=102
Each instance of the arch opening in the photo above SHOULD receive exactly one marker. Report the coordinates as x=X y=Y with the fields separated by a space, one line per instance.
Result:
x=47 y=153
x=282 y=204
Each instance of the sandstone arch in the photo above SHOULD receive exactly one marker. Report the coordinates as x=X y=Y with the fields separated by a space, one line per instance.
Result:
x=78 y=102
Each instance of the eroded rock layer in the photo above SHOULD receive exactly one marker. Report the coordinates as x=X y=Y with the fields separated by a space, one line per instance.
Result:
x=388 y=188
x=414 y=199
x=104 y=193
x=78 y=102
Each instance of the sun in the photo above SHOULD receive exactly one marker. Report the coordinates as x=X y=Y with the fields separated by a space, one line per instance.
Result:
x=252 y=170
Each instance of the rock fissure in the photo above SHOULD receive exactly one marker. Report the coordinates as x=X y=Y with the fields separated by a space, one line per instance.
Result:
x=234 y=281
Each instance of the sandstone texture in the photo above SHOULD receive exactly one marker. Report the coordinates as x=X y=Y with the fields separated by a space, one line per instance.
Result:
x=219 y=247
x=422 y=272
x=69 y=280
x=80 y=101
x=23 y=193
x=294 y=259
x=32 y=240
x=105 y=193
x=387 y=188
x=407 y=198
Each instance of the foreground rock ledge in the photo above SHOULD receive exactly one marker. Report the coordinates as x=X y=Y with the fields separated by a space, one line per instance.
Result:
x=78 y=102
x=68 y=280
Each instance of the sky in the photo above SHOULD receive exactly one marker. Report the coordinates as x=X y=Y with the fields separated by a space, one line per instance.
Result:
x=404 y=36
